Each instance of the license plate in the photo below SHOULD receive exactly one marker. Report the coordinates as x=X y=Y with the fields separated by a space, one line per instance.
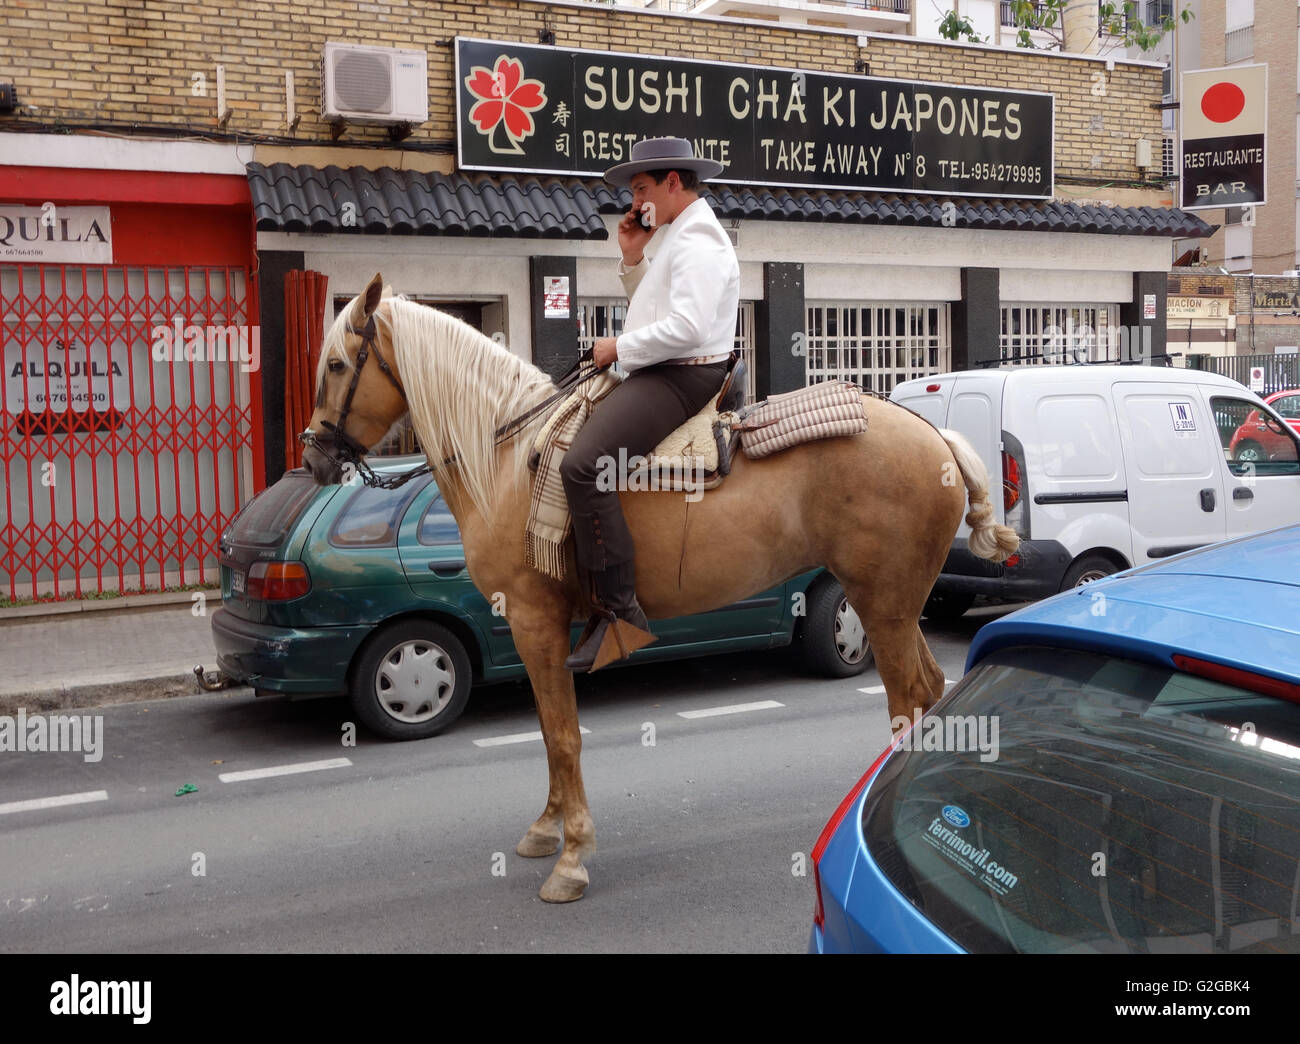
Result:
x=237 y=583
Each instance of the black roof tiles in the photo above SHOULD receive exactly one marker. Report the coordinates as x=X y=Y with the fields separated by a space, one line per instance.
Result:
x=302 y=198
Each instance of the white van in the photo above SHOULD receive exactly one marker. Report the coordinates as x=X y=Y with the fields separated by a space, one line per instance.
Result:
x=1105 y=467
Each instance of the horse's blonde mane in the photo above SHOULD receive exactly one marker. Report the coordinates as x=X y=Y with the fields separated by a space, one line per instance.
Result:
x=461 y=387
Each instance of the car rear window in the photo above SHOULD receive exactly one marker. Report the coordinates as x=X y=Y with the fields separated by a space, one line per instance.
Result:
x=438 y=525
x=267 y=519
x=1084 y=803
x=371 y=516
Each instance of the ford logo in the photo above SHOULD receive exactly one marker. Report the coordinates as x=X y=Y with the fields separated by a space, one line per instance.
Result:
x=956 y=816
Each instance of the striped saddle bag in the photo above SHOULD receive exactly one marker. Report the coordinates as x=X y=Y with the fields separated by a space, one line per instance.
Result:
x=819 y=411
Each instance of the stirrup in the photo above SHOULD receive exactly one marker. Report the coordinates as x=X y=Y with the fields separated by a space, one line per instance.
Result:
x=620 y=640
x=613 y=638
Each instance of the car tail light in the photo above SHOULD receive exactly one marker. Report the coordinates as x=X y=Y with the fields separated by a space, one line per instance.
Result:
x=278 y=581
x=1010 y=481
x=819 y=849
x=1243 y=679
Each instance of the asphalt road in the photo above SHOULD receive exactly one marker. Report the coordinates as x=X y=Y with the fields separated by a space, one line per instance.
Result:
x=410 y=847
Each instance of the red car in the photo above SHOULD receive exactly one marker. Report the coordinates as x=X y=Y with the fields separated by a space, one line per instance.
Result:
x=1257 y=438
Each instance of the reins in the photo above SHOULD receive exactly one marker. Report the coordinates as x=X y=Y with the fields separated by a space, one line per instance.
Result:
x=352 y=453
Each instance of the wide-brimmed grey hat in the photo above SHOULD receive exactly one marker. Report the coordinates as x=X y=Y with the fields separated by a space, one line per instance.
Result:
x=662 y=154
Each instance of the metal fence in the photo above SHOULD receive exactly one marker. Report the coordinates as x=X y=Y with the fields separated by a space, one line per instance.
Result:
x=130 y=426
x=1281 y=372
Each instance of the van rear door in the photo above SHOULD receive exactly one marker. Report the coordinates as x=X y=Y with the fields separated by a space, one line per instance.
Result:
x=1171 y=455
x=927 y=396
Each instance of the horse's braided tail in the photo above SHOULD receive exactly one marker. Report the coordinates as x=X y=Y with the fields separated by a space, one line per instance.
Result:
x=987 y=538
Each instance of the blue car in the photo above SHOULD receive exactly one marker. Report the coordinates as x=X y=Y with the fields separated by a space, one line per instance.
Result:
x=1117 y=772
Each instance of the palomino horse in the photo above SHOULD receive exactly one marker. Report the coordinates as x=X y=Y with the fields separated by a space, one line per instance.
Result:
x=879 y=510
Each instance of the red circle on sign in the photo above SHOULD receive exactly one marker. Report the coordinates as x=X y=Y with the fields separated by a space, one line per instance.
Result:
x=1223 y=102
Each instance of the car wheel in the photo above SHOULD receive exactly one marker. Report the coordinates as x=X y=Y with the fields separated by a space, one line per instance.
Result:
x=411 y=681
x=947 y=605
x=1087 y=569
x=1248 y=452
x=833 y=641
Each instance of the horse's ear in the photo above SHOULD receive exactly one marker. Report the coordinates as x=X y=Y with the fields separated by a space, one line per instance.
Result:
x=374 y=291
x=388 y=290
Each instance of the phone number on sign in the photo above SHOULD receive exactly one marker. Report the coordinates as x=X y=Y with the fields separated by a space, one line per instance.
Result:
x=38 y=398
x=964 y=171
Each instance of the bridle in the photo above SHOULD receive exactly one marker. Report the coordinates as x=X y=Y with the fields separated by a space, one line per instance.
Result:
x=352 y=454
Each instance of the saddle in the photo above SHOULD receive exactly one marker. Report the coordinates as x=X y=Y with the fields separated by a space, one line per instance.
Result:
x=697 y=455
x=706 y=444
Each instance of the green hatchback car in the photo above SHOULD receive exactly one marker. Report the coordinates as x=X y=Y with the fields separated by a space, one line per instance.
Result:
x=363 y=592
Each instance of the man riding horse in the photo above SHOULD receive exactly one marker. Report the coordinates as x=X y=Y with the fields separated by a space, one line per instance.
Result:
x=676 y=340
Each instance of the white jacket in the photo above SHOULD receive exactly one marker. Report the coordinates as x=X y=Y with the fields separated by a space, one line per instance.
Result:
x=683 y=302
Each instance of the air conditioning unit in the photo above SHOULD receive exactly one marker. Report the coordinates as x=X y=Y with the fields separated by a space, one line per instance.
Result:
x=374 y=84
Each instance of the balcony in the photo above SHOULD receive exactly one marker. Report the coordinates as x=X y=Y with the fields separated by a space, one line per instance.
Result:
x=1239 y=45
x=1009 y=15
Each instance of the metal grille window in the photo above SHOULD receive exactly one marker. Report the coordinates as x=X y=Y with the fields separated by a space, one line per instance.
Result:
x=1060 y=333
x=128 y=427
x=604 y=317
x=1169 y=158
x=876 y=344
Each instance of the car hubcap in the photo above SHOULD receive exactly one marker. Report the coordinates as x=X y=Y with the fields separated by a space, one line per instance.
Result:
x=1249 y=453
x=850 y=637
x=1090 y=576
x=415 y=681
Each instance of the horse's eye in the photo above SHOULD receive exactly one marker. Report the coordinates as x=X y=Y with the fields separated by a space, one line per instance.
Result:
x=335 y=366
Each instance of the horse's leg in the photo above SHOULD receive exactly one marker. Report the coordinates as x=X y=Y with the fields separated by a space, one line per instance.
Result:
x=933 y=672
x=544 y=836
x=542 y=638
x=903 y=669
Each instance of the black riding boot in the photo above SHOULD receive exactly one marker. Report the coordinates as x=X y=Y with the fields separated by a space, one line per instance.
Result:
x=618 y=626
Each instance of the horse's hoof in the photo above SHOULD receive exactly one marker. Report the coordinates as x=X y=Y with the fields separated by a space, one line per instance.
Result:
x=536 y=844
x=566 y=886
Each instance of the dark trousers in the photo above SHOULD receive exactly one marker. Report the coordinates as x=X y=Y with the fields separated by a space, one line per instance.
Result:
x=635 y=417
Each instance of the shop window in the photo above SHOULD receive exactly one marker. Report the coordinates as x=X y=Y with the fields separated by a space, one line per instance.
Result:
x=1061 y=333
x=876 y=344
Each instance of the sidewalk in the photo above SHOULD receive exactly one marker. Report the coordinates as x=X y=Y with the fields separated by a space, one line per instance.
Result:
x=81 y=654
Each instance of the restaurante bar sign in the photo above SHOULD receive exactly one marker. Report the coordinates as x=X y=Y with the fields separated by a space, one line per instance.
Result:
x=522 y=107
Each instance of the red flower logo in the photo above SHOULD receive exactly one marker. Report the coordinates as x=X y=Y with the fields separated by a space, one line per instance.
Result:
x=505 y=99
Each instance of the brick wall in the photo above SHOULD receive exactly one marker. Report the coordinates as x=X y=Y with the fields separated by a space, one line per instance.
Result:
x=137 y=61
x=1208 y=284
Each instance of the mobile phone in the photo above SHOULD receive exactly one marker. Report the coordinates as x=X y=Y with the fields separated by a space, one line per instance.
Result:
x=644 y=221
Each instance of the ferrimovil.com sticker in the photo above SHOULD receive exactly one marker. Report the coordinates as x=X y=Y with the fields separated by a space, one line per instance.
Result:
x=975 y=861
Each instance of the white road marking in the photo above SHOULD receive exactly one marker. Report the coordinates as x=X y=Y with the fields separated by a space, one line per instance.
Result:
x=876 y=690
x=54 y=802
x=735 y=708
x=518 y=737
x=283 y=770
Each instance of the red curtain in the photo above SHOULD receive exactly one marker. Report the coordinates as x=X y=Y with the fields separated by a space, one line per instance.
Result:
x=305 y=300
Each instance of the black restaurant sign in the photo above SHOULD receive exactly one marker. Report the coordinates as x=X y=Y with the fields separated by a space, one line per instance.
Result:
x=522 y=107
